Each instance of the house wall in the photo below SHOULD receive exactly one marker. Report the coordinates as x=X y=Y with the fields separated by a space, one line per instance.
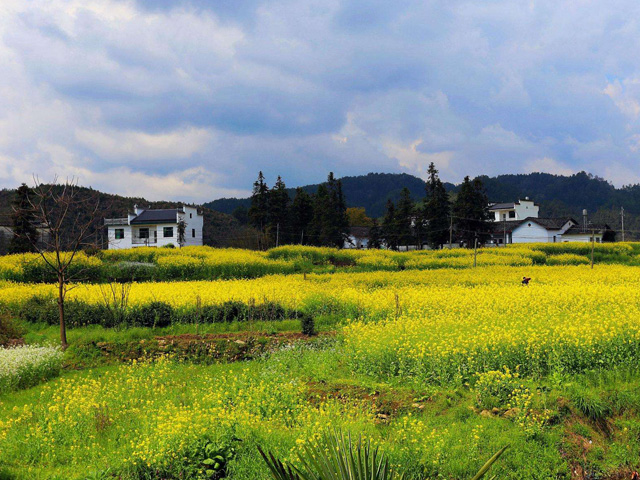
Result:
x=193 y=221
x=498 y=215
x=122 y=243
x=583 y=237
x=526 y=208
x=531 y=232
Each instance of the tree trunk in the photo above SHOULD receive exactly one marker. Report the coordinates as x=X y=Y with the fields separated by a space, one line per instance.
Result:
x=63 y=327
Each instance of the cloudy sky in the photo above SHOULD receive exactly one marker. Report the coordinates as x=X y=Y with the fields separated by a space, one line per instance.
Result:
x=187 y=100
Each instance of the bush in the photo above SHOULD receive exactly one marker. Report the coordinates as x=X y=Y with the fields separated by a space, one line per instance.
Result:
x=8 y=330
x=80 y=314
x=307 y=324
x=40 y=309
x=154 y=314
x=225 y=312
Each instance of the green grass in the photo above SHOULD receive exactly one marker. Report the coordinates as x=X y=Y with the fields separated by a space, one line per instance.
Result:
x=433 y=432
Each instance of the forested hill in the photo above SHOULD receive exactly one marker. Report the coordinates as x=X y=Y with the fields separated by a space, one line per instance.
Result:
x=219 y=229
x=556 y=194
x=370 y=191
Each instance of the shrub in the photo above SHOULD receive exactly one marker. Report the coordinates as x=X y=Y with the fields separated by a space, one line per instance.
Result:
x=40 y=309
x=154 y=314
x=80 y=314
x=307 y=324
x=224 y=312
x=8 y=330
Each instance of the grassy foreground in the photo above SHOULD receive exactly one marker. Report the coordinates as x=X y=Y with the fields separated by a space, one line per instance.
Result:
x=439 y=368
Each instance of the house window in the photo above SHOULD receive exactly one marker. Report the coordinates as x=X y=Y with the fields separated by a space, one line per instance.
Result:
x=512 y=214
x=528 y=224
x=191 y=215
x=167 y=232
x=143 y=233
x=193 y=233
x=119 y=233
x=504 y=216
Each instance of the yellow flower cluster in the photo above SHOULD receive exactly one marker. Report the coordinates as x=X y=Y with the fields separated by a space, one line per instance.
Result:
x=153 y=413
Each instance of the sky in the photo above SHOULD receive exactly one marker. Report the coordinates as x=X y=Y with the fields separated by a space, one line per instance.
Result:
x=188 y=100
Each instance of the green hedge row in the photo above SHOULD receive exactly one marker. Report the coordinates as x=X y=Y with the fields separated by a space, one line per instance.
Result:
x=40 y=309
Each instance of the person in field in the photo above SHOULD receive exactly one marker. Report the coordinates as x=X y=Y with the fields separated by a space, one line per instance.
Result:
x=525 y=281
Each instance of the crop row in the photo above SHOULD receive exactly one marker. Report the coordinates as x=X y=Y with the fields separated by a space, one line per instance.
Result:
x=205 y=263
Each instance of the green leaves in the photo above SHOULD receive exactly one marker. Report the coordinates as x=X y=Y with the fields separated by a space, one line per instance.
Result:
x=336 y=457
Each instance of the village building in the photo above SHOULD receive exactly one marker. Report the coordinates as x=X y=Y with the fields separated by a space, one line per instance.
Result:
x=156 y=228
x=513 y=211
x=519 y=222
x=358 y=238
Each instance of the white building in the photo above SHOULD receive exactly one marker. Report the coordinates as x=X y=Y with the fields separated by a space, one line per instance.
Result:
x=541 y=230
x=358 y=238
x=514 y=211
x=155 y=228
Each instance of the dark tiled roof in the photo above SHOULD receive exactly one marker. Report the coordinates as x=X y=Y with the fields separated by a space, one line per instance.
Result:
x=359 y=232
x=498 y=228
x=156 y=216
x=550 y=223
x=502 y=206
x=579 y=229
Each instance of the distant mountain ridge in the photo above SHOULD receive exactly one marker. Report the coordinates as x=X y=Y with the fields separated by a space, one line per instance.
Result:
x=370 y=191
x=556 y=194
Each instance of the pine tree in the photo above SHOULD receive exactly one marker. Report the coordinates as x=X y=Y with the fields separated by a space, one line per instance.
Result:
x=404 y=218
x=375 y=235
x=321 y=214
x=338 y=224
x=471 y=212
x=25 y=233
x=278 y=227
x=259 y=210
x=330 y=224
x=389 y=232
x=437 y=209
x=301 y=215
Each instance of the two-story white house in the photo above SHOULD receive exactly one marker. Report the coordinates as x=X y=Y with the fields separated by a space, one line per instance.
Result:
x=155 y=228
x=514 y=210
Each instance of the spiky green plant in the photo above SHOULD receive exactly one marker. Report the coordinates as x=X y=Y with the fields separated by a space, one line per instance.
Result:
x=336 y=457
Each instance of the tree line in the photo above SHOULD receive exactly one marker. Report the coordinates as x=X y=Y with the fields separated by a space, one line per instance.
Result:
x=323 y=219
x=319 y=219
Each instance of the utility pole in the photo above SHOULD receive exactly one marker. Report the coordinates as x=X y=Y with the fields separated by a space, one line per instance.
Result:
x=622 y=216
x=504 y=224
x=475 y=251
x=593 y=242
x=302 y=237
x=451 y=233
x=277 y=233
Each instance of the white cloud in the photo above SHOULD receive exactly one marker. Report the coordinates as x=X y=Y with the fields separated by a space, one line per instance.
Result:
x=415 y=161
x=124 y=146
x=547 y=165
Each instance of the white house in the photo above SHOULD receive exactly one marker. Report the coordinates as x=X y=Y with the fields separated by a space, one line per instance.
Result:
x=514 y=210
x=358 y=238
x=155 y=228
x=587 y=234
x=541 y=230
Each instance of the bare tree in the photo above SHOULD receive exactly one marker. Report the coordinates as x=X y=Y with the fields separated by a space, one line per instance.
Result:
x=68 y=217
